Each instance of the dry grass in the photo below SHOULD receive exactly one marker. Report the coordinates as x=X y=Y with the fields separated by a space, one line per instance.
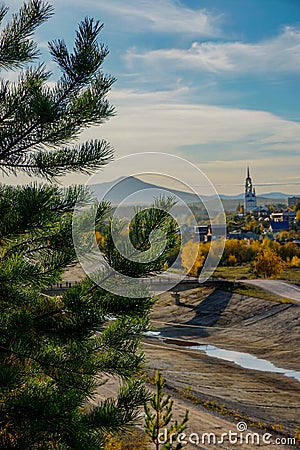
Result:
x=134 y=440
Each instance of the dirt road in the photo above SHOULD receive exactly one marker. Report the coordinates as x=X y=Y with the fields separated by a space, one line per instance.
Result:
x=277 y=287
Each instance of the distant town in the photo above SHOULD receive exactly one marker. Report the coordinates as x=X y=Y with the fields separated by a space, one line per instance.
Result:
x=251 y=221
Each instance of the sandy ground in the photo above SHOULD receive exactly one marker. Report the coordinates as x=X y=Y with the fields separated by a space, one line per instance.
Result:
x=266 y=329
x=202 y=423
x=263 y=328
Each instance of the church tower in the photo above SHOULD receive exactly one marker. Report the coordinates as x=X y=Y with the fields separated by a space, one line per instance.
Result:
x=250 y=195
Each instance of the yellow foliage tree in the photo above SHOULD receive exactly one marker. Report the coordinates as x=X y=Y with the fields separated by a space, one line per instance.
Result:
x=231 y=261
x=295 y=262
x=268 y=264
x=288 y=251
x=193 y=257
x=99 y=238
x=241 y=250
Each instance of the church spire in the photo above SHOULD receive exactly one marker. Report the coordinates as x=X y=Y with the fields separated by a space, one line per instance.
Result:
x=250 y=194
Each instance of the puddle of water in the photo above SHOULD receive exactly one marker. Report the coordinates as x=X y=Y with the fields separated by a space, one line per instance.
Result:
x=245 y=360
x=152 y=333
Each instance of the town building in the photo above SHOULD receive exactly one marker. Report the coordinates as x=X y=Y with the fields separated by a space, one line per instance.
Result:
x=243 y=235
x=278 y=227
x=200 y=233
x=260 y=211
x=293 y=201
x=208 y=233
x=250 y=194
x=283 y=216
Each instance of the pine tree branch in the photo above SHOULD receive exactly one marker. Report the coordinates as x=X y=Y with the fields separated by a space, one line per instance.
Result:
x=66 y=91
x=48 y=314
x=84 y=158
x=45 y=363
x=13 y=158
x=3 y=11
x=15 y=46
x=53 y=349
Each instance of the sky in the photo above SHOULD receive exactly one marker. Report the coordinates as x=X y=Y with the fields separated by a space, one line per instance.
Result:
x=211 y=81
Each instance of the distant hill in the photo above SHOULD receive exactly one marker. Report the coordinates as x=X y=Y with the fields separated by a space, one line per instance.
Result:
x=123 y=188
x=276 y=195
x=232 y=197
x=270 y=195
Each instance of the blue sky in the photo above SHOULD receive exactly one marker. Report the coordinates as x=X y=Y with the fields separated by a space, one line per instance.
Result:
x=213 y=81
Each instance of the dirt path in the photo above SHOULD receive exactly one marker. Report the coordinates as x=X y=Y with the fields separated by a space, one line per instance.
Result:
x=277 y=287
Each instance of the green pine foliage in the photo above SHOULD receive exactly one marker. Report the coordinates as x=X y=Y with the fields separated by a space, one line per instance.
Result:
x=55 y=351
x=35 y=115
x=159 y=426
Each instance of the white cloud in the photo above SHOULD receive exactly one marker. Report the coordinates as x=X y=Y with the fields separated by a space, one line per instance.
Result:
x=165 y=16
x=161 y=120
x=276 y=174
x=280 y=54
x=221 y=141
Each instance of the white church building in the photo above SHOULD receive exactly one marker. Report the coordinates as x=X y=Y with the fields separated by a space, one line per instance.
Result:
x=250 y=194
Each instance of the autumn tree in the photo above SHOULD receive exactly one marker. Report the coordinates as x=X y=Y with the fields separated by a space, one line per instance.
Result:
x=295 y=262
x=193 y=256
x=268 y=264
x=241 y=250
x=288 y=251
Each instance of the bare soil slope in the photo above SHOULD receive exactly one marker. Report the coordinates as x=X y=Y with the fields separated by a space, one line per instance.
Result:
x=266 y=329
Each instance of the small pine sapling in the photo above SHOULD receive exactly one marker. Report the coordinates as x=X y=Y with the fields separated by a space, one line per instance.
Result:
x=159 y=426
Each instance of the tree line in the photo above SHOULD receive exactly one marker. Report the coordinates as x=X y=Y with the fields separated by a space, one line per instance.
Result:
x=267 y=258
